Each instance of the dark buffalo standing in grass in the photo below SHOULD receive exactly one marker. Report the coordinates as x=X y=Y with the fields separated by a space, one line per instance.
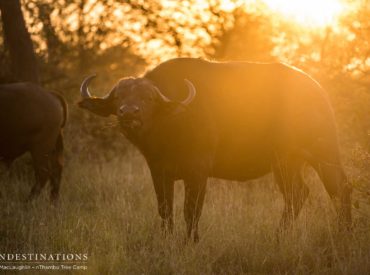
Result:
x=32 y=120
x=193 y=119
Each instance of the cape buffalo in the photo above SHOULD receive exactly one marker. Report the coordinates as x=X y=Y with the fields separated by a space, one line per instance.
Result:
x=238 y=121
x=32 y=119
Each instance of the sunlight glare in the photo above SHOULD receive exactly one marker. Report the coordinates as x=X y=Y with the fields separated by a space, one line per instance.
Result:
x=317 y=13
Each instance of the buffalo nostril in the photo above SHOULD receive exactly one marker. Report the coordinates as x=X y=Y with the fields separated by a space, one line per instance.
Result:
x=122 y=110
x=128 y=111
x=136 y=109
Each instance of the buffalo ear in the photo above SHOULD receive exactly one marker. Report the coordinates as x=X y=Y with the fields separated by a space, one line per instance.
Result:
x=99 y=106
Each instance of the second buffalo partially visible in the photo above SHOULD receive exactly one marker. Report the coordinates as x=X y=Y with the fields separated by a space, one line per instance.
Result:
x=32 y=120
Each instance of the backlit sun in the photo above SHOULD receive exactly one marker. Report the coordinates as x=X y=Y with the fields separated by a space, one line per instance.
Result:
x=314 y=13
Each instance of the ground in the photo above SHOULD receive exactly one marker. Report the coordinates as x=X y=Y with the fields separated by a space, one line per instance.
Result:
x=108 y=210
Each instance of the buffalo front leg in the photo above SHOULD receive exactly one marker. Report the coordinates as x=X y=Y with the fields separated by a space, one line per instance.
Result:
x=164 y=188
x=195 y=189
x=287 y=174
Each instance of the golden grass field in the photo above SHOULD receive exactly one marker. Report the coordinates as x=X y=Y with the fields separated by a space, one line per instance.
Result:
x=108 y=210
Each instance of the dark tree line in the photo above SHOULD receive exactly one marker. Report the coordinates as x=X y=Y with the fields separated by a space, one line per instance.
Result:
x=18 y=43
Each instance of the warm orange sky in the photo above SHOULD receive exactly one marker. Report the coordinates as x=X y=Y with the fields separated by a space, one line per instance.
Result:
x=315 y=13
x=312 y=13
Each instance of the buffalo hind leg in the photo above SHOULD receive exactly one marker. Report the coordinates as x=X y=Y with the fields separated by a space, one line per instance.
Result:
x=288 y=176
x=336 y=184
x=195 y=189
x=41 y=162
x=325 y=159
x=56 y=169
x=164 y=189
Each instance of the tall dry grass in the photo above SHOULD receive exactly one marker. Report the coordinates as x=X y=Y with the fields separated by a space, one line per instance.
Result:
x=108 y=210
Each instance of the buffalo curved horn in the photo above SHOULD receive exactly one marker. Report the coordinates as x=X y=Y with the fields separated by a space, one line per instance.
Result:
x=191 y=95
x=162 y=96
x=192 y=92
x=85 y=93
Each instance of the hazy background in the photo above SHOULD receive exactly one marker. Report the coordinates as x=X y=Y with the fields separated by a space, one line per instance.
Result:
x=106 y=184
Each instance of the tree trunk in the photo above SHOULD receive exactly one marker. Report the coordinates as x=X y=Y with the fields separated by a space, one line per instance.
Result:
x=81 y=37
x=18 y=41
x=52 y=41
